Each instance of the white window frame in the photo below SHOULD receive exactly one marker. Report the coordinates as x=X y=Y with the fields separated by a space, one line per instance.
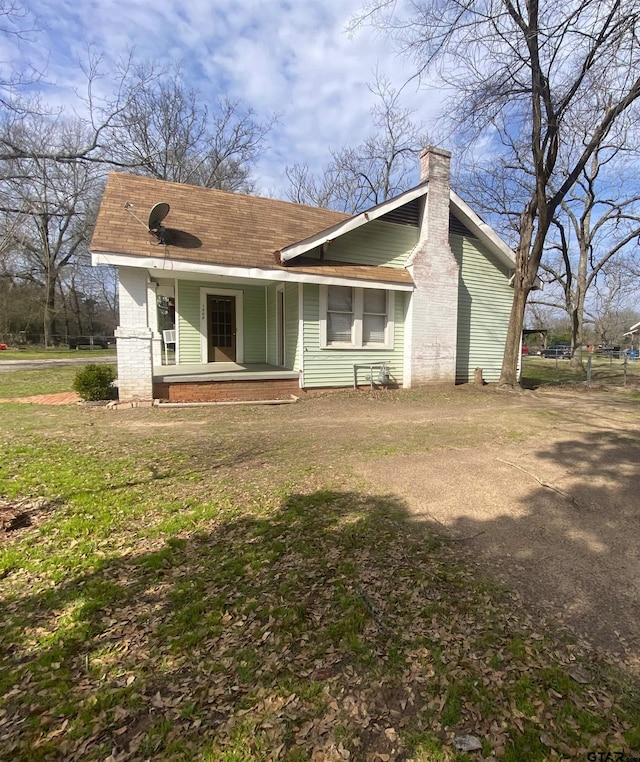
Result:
x=356 y=327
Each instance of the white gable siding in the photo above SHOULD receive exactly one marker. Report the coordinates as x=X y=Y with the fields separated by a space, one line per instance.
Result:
x=484 y=305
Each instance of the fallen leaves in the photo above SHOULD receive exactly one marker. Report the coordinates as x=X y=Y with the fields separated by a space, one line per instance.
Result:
x=327 y=627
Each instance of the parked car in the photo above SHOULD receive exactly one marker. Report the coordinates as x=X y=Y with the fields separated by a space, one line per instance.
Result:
x=88 y=342
x=557 y=351
x=613 y=352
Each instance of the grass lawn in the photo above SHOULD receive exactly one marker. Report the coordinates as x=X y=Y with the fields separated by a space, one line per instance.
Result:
x=215 y=584
x=25 y=383
x=33 y=353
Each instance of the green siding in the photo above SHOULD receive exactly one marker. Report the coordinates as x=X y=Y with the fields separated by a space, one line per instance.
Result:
x=376 y=243
x=334 y=367
x=484 y=305
x=254 y=333
x=291 y=325
x=188 y=309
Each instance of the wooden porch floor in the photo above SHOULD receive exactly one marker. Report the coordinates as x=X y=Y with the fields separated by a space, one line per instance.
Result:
x=220 y=371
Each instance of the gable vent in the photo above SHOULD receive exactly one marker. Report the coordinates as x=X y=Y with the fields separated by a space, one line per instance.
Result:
x=458 y=228
x=407 y=214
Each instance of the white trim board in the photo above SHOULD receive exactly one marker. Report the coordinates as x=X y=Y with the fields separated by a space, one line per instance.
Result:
x=235 y=275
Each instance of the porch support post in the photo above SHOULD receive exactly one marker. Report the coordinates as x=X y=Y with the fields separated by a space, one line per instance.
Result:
x=134 y=336
x=152 y=315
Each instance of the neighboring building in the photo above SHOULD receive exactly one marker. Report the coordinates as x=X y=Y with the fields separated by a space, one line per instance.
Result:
x=272 y=297
x=633 y=333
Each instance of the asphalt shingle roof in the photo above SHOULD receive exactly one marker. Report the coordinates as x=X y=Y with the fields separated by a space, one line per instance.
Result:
x=216 y=227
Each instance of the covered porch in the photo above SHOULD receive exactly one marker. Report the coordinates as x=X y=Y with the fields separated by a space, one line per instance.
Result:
x=223 y=382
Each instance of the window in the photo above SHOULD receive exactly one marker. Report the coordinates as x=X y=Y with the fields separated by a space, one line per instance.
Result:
x=339 y=315
x=356 y=317
x=374 y=316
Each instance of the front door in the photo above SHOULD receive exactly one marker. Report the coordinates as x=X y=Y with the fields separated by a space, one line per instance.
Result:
x=221 y=324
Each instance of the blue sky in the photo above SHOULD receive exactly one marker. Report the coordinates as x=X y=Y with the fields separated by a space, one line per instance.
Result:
x=290 y=57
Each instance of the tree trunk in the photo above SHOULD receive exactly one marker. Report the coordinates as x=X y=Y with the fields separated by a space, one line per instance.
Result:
x=577 y=324
x=522 y=285
x=576 y=337
x=49 y=319
x=509 y=375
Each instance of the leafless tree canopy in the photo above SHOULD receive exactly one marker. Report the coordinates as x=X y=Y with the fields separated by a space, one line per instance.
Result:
x=595 y=237
x=523 y=77
x=359 y=177
x=169 y=132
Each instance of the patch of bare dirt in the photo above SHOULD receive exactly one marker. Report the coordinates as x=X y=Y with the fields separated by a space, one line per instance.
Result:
x=555 y=516
x=20 y=514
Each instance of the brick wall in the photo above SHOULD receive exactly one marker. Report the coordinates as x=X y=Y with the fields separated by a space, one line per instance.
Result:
x=134 y=336
x=432 y=334
x=226 y=391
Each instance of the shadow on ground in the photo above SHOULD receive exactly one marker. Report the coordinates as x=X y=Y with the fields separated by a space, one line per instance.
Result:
x=330 y=630
x=555 y=518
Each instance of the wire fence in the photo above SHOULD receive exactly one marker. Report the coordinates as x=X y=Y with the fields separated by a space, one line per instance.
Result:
x=22 y=340
x=620 y=369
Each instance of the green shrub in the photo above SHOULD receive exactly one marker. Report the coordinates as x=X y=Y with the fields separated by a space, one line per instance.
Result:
x=93 y=382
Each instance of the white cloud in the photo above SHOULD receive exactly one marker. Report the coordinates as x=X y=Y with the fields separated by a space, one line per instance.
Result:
x=290 y=57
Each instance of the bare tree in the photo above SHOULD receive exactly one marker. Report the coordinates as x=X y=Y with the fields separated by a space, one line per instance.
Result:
x=611 y=312
x=598 y=226
x=16 y=26
x=46 y=213
x=171 y=133
x=374 y=171
x=99 y=108
x=524 y=75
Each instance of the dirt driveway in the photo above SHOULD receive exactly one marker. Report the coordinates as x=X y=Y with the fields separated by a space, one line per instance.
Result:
x=557 y=516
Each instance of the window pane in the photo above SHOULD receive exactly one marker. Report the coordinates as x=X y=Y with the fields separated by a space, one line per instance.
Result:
x=338 y=327
x=373 y=329
x=375 y=300
x=340 y=298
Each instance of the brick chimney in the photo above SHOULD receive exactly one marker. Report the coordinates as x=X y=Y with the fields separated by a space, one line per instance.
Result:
x=433 y=312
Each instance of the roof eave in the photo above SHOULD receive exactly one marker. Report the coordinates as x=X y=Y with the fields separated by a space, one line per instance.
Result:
x=487 y=235
x=283 y=274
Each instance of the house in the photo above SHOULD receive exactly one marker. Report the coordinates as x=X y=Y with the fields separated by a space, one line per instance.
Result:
x=633 y=333
x=273 y=297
